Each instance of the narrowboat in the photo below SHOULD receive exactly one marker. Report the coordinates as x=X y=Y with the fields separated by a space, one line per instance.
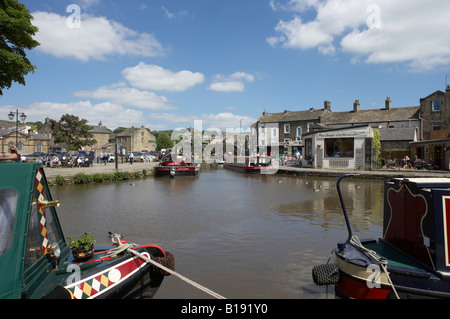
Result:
x=172 y=168
x=35 y=258
x=412 y=258
x=251 y=164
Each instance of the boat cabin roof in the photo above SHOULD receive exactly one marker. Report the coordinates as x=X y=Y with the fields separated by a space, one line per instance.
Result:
x=426 y=182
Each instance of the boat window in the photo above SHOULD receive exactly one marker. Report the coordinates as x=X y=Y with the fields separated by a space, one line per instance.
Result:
x=34 y=242
x=38 y=237
x=8 y=204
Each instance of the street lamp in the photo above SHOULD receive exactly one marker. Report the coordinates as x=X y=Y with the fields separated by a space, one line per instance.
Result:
x=22 y=117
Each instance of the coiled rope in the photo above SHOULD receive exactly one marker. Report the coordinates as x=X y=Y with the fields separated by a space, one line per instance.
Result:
x=122 y=247
x=383 y=262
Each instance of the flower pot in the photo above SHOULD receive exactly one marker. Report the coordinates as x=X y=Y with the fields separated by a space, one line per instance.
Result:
x=83 y=254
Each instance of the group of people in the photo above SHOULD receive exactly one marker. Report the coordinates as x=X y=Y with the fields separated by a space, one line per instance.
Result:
x=296 y=157
x=65 y=161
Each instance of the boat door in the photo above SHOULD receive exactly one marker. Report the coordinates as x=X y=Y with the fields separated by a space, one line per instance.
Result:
x=44 y=237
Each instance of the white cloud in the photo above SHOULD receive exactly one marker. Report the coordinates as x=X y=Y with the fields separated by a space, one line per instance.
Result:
x=127 y=96
x=222 y=120
x=384 y=31
x=228 y=86
x=232 y=83
x=153 y=77
x=94 y=39
x=112 y=115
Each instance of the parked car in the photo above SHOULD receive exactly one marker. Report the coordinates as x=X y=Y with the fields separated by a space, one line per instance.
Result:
x=111 y=157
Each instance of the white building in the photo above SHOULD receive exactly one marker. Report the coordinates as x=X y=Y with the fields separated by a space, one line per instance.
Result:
x=343 y=148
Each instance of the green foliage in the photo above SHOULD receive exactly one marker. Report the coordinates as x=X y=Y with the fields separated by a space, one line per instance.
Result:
x=59 y=180
x=16 y=35
x=120 y=176
x=377 y=142
x=83 y=242
x=164 y=141
x=72 y=131
x=81 y=178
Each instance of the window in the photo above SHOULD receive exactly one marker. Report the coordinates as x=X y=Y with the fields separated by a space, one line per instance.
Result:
x=436 y=106
x=39 y=147
x=8 y=203
x=308 y=149
x=436 y=126
x=287 y=128
x=299 y=131
x=339 y=147
x=35 y=238
x=309 y=126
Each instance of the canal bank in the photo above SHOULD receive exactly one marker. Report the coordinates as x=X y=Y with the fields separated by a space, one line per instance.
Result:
x=378 y=174
x=68 y=173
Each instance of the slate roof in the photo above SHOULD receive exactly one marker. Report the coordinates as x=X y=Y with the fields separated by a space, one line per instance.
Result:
x=397 y=114
x=398 y=134
x=290 y=116
x=97 y=129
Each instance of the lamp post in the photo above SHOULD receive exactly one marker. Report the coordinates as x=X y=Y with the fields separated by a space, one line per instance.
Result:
x=22 y=117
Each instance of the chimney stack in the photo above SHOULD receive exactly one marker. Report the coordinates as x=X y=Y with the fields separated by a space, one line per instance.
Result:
x=356 y=106
x=327 y=106
x=388 y=103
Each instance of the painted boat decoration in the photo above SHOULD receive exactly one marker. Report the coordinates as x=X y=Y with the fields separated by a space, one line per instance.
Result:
x=411 y=260
x=252 y=164
x=36 y=262
x=172 y=168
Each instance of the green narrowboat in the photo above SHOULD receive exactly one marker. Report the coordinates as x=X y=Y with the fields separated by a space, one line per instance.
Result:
x=35 y=259
x=412 y=258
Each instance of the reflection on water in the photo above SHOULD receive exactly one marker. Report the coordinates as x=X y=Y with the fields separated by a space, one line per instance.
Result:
x=243 y=236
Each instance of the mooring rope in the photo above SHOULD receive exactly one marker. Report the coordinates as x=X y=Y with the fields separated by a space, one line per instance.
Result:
x=383 y=262
x=122 y=247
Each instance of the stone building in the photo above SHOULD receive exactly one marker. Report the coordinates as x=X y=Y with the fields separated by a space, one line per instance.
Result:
x=27 y=143
x=102 y=135
x=287 y=128
x=435 y=111
x=434 y=145
x=393 y=123
x=136 y=139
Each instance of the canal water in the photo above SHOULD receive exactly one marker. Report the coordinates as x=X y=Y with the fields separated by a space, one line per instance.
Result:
x=242 y=236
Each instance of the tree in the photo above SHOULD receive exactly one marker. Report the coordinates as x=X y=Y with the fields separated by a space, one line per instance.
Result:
x=72 y=131
x=163 y=141
x=16 y=33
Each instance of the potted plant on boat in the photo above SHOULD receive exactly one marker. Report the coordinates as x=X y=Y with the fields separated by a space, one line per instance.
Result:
x=82 y=247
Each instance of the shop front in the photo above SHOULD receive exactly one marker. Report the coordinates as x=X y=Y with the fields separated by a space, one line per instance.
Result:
x=343 y=148
x=433 y=154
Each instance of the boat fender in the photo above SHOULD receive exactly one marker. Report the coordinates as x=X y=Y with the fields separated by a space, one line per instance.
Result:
x=325 y=274
x=168 y=262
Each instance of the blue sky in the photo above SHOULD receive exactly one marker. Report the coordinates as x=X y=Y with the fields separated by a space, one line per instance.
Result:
x=165 y=63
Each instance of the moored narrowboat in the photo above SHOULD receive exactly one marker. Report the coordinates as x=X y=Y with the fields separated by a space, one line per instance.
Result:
x=410 y=260
x=172 y=168
x=35 y=259
x=251 y=164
